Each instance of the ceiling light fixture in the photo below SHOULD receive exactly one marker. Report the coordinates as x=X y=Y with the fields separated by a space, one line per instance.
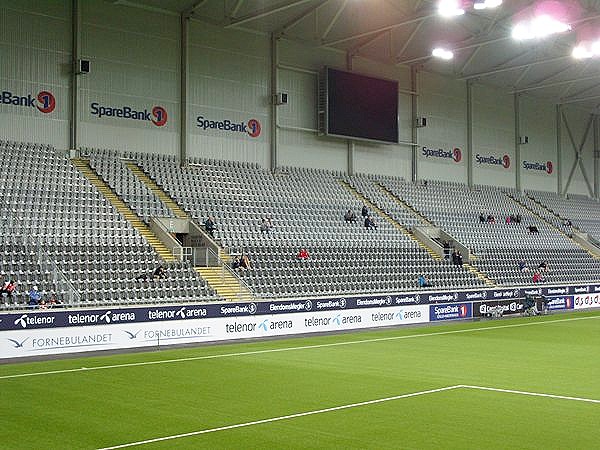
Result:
x=450 y=8
x=539 y=27
x=442 y=53
x=486 y=4
x=585 y=50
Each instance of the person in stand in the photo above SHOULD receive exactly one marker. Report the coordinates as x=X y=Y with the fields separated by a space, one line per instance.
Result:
x=350 y=217
x=518 y=218
x=423 y=282
x=457 y=258
x=34 y=297
x=507 y=220
x=537 y=277
x=533 y=229
x=523 y=266
x=370 y=223
x=543 y=267
x=364 y=212
x=302 y=254
x=245 y=263
x=9 y=289
x=266 y=225
x=159 y=273
x=209 y=226
x=491 y=219
x=481 y=218
x=236 y=264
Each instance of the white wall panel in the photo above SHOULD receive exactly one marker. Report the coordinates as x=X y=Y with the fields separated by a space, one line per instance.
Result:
x=229 y=84
x=135 y=64
x=34 y=57
x=493 y=137
x=444 y=103
x=538 y=122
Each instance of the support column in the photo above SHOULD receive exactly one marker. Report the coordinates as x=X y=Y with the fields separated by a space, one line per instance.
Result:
x=469 y=155
x=183 y=88
x=517 y=144
x=274 y=86
x=596 y=157
x=350 y=142
x=414 y=111
x=75 y=52
x=559 y=185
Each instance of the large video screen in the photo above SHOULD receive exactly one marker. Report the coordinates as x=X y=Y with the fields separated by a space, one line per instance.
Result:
x=361 y=107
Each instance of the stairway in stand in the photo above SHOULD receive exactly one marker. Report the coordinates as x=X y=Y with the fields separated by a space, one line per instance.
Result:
x=158 y=191
x=126 y=212
x=225 y=283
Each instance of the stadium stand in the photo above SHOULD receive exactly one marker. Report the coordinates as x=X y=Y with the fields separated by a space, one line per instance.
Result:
x=52 y=213
x=55 y=215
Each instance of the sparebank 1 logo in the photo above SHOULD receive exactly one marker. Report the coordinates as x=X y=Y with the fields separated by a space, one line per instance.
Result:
x=252 y=128
x=456 y=154
x=44 y=101
x=462 y=311
x=506 y=161
x=157 y=115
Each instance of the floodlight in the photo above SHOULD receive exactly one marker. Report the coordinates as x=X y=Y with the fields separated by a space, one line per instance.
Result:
x=539 y=27
x=442 y=53
x=450 y=8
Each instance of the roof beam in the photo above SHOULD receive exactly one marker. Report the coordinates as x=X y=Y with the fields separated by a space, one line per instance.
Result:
x=534 y=87
x=407 y=21
x=236 y=8
x=410 y=39
x=579 y=100
x=300 y=17
x=509 y=68
x=583 y=91
x=264 y=13
x=189 y=11
x=335 y=18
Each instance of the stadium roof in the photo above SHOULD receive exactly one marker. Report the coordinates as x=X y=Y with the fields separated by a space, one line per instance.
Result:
x=404 y=32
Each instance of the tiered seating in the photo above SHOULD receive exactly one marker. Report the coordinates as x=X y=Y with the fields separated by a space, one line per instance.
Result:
x=499 y=246
x=49 y=205
x=307 y=208
x=126 y=185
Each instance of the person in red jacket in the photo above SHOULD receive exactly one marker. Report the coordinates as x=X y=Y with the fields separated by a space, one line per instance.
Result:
x=302 y=254
x=537 y=277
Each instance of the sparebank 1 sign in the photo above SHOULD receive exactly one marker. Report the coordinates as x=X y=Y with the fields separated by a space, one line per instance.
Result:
x=493 y=160
x=454 y=155
x=245 y=128
x=44 y=101
x=156 y=115
x=539 y=166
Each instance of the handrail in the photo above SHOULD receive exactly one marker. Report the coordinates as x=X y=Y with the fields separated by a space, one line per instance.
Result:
x=225 y=266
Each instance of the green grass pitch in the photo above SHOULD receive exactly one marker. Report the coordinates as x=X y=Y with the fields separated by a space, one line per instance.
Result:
x=194 y=389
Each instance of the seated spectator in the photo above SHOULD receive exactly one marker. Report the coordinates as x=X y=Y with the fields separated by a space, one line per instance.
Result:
x=457 y=259
x=142 y=277
x=481 y=218
x=513 y=219
x=54 y=302
x=34 y=296
x=159 y=273
x=266 y=225
x=350 y=216
x=302 y=254
x=209 y=226
x=518 y=218
x=491 y=219
x=523 y=266
x=507 y=220
x=533 y=229
x=543 y=267
x=245 y=263
x=423 y=282
x=9 y=289
x=537 y=277
x=370 y=223
x=236 y=264
x=364 y=212
x=43 y=304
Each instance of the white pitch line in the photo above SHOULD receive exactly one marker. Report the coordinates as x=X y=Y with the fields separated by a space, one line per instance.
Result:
x=277 y=419
x=533 y=394
x=287 y=349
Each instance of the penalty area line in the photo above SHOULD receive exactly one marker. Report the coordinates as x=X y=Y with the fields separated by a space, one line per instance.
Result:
x=286 y=417
x=348 y=406
x=288 y=349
